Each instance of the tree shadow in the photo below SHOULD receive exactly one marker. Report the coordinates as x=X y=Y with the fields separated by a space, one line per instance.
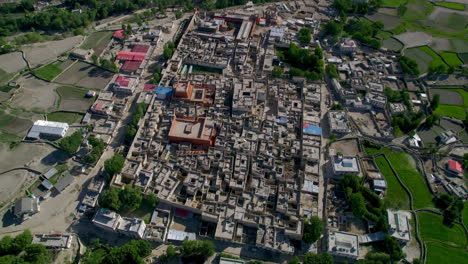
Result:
x=9 y=219
x=56 y=156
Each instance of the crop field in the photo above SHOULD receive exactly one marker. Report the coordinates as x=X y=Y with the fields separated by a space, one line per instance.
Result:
x=35 y=94
x=454 y=111
x=417 y=10
x=414 y=39
x=453 y=108
x=422 y=58
x=392 y=3
x=65 y=64
x=86 y=75
x=97 y=41
x=65 y=117
x=396 y=196
x=73 y=99
x=444 y=244
x=392 y=44
x=45 y=52
x=451 y=5
x=50 y=71
x=389 y=21
x=449 y=96
x=12 y=62
x=436 y=59
x=445 y=20
x=451 y=59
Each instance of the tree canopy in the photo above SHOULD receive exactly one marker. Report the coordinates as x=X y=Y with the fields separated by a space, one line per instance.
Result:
x=196 y=250
x=132 y=252
x=114 y=165
x=313 y=228
x=70 y=144
x=304 y=62
x=304 y=36
x=408 y=65
x=19 y=250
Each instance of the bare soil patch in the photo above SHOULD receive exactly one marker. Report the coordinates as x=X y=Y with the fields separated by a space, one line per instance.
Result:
x=18 y=126
x=42 y=53
x=35 y=94
x=439 y=44
x=388 y=21
x=14 y=182
x=65 y=64
x=86 y=75
x=347 y=147
x=448 y=97
x=12 y=62
x=365 y=123
x=414 y=39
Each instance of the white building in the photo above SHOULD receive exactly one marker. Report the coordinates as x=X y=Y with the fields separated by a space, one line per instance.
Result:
x=132 y=227
x=107 y=219
x=47 y=130
x=348 y=46
x=399 y=222
x=345 y=165
x=343 y=244
x=26 y=207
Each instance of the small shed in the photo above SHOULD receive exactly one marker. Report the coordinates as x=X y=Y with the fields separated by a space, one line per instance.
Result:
x=63 y=183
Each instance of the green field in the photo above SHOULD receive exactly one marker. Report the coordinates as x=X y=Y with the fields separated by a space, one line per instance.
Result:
x=49 y=72
x=456 y=6
x=392 y=3
x=444 y=244
x=417 y=10
x=396 y=196
x=436 y=59
x=422 y=58
x=70 y=118
x=97 y=41
x=451 y=59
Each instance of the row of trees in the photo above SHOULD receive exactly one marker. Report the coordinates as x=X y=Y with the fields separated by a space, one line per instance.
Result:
x=132 y=252
x=20 y=250
x=124 y=199
x=132 y=128
x=304 y=63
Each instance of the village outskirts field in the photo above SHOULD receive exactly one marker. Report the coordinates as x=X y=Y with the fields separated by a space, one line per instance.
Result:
x=52 y=89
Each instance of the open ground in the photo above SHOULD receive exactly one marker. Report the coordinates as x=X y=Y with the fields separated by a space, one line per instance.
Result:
x=45 y=52
x=97 y=41
x=73 y=99
x=85 y=75
x=35 y=94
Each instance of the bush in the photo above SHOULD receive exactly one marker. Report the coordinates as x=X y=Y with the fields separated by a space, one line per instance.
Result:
x=277 y=72
x=114 y=165
x=313 y=228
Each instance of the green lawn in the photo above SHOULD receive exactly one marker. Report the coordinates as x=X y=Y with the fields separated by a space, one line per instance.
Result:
x=455 y=111
x=456 y=6
x=392 y=3
x=396 y=196
x=49 y=72
x=70 y=118
x=452 y=59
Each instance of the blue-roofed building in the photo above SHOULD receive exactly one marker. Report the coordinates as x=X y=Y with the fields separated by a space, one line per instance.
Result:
x=311 y=129
x=163 y=93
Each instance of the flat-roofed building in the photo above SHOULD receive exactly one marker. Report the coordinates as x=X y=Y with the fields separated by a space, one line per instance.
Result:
x=47 y=130
x=53 y=241
x=26 y=207
x=339 y=122
x=124 y=85
x=399 y=222
x=198 y=131
x=344 y=165
x=107 y=219
x=343 y=244
x=132 y=227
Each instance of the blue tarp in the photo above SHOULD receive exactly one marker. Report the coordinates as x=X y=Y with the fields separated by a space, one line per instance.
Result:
x=311 y=129
x=163 y=93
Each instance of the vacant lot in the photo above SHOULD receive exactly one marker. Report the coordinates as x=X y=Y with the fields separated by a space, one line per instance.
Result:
x=85 y=75
x=396 y=196
x=73 y=99
x=50 y=71
x=347 y=147
x=451 y=59
x=45 y=52
x=12 y=62
x=365 y=123
x=35 y=94
x=97 y=41
x=414 y=39
x=444 y=244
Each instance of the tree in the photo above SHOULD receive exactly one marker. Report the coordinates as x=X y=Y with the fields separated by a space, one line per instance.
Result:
x=37 y=254
x=304 y=36
x=313 y=228
x=332 y=71
x=333 y=28
x=6 y=245
x=358 y=205
x=277 y=72
x=130 y=197
x=156 y=78
x=392 y=247
x=110 y=199
x=71 y=143
x=197 y=248
x=167 y=53
x=21 y=241
x=152 y=199
x=171 y=253
x=295 y=260
x=114 y=165
x=435 y=102
x=432 y=120
x=408 y=65
x=178 y=14
x=337 y=106
x=323 y=258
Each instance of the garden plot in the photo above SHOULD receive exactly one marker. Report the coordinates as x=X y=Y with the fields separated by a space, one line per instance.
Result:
x=12 y=62
x=388 y=21
x=73 y=99
x=448 y=96
x=414 y=39
x=86 y=75
x=446 y=20
x=35 y=94
x=44 y=52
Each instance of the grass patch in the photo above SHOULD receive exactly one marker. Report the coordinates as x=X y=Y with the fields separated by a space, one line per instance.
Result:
x=438 y=253
x=49 y=72
x=454 y=111
x=5 y=119
x=7 y=88
x=34 y=185
x=396 y=196
x=69 y=92
x=65 y=117
x=392 y=3
x=456 y=6
x=60 y=169
x=451 y=59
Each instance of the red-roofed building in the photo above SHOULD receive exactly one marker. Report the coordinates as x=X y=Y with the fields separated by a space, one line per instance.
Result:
x=130 y=66
x=454 y=167
x=198 y=131
x=119 y=34
x=149 y=87
x=140 y=48
x=125 y=85
x=102 y=107
x=132 y=56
